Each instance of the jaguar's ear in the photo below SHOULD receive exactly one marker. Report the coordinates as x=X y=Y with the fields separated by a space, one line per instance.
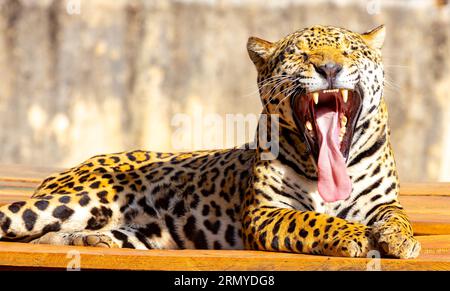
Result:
x=259 y=50
x=375 y=37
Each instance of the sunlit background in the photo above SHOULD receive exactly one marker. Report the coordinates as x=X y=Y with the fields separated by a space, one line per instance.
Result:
x=83 y=77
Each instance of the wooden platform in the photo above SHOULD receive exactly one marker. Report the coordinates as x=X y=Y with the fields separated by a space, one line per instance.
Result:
x=428 y=206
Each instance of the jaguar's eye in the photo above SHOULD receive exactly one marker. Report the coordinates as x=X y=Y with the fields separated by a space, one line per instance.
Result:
x=290 y=50
x=304 y=56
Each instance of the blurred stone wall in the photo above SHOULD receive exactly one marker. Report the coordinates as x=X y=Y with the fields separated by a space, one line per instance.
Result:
x=82 y=77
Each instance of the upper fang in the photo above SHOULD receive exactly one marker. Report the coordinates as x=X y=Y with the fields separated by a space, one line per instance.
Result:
x=344 y=93
x=316 y=97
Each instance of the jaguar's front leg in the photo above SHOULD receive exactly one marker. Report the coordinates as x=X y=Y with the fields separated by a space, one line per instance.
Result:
x=393 y=232
x=288 y=230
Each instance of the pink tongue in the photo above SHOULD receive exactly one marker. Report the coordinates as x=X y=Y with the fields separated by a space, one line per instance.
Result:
x=334 y=183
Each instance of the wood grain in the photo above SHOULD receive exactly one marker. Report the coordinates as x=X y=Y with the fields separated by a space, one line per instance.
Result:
x=25 y=173
x=435 y=256
x=428 y=214
x=425 y=189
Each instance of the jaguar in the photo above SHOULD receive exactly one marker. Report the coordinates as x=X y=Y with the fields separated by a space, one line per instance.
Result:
x=330 y=188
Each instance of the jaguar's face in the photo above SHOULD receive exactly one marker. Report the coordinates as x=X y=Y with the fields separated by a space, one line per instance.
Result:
x=321 y=81
x=314 y=72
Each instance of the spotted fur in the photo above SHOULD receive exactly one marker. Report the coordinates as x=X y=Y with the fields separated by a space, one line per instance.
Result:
x=232 y=198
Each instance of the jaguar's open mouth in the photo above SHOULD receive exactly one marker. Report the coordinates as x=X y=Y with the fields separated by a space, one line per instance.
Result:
x=327 y=119
x=340 y=105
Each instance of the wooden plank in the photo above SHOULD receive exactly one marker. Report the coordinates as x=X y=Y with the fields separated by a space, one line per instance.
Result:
x=425 y=189
x=9 y=193
x=435 y=256
x=17 y=182
x=429 y=214
x=26 y=173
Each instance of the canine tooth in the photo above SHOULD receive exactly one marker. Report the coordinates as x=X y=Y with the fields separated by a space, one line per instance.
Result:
x=316 y=97
x=343 y=121
x=308 y=125
x=342 y=133
x=344 y=93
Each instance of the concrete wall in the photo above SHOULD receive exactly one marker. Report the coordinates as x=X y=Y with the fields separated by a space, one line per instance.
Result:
x=83 y=77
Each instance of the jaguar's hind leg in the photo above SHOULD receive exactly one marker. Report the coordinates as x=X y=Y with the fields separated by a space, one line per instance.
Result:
x=124 y=237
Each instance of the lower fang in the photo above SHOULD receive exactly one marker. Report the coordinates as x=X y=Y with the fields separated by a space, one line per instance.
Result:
x=341 y=134
x=343 y=121
x=309 y=125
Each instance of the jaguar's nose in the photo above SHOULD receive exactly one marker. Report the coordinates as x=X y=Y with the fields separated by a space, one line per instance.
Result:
x=329 y=70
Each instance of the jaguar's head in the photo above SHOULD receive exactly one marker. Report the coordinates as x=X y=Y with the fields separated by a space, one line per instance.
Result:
x=322 y=81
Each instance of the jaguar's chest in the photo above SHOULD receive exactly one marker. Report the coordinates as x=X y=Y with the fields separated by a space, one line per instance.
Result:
x=289 y=188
